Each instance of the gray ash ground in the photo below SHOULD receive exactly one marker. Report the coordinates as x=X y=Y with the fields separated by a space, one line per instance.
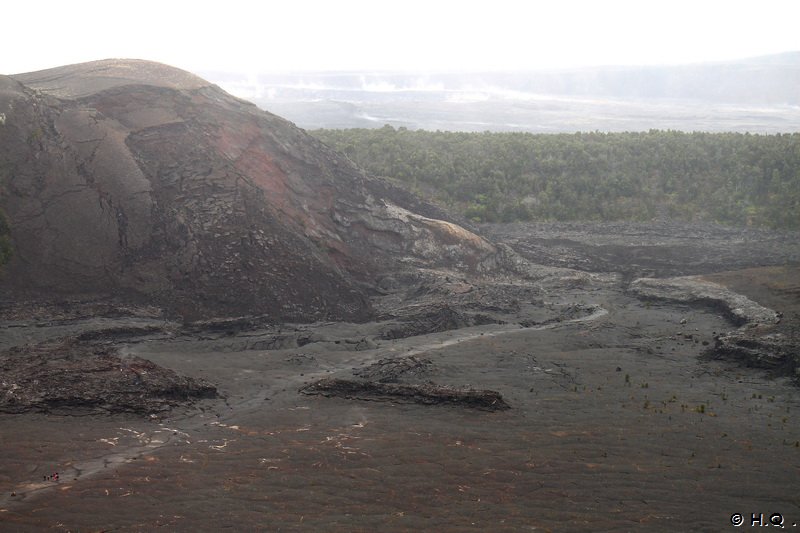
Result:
x=618 y=418
x=652 y=249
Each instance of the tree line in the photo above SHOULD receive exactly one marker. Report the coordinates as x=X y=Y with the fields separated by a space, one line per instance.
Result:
x=729 y=178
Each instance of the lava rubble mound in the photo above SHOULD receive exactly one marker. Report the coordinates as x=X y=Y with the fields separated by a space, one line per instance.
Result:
x=72 y=376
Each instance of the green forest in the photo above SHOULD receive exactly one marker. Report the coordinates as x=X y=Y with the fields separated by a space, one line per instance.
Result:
x=729 y=178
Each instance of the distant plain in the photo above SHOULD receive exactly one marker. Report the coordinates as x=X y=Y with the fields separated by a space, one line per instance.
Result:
x=757 y=95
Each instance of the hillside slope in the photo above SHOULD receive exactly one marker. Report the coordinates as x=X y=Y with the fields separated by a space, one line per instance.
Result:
x=142 y=181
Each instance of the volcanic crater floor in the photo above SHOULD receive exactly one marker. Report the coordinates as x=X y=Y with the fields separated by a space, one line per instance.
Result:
x=616 y=421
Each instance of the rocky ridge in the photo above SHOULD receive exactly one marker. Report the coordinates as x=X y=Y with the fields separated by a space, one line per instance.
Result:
x=75 y=376
x=689 y=289
x=755 y=343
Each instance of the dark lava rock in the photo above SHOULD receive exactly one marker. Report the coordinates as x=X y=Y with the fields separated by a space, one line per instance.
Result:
x=428 y=394
x=142 y=181
x=775 y=352
x=694 y=290
x=395 y=369
x=119 y=333
x=567 y=313
x=73 y=377
x=657 y=248
x=442 y=318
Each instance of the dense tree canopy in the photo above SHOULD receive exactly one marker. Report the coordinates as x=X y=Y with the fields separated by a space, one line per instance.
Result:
x=730 y=178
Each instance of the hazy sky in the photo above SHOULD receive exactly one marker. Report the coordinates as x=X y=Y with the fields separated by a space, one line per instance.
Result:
x=239 y=36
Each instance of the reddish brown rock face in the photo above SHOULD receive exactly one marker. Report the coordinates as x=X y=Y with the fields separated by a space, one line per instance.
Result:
x=145 y=182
